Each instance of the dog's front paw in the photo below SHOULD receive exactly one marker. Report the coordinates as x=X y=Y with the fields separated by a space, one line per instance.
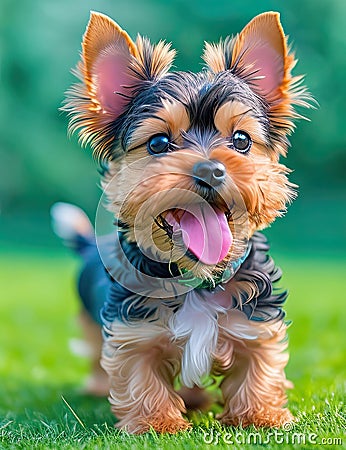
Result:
x=160 y=423
x=270 y=417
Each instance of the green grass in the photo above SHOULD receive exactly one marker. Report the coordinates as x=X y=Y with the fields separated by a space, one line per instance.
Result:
x=37 y=371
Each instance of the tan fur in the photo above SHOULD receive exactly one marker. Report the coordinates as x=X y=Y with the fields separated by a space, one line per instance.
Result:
x=142 y=363
x=254 y=382
x=157 y=185
x=161 y=58
x=171 y=119
x=234 y=116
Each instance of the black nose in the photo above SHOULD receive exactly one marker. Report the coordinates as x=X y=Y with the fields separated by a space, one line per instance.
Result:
x=210 y=173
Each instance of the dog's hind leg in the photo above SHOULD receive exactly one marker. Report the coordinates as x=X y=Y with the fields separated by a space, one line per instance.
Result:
x=72 y=225
x=195 y=398
x=98 y=381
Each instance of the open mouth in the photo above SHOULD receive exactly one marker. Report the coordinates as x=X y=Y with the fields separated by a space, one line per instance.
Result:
x=204 y=230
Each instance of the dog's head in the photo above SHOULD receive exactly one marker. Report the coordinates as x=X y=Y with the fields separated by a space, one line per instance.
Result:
x=192 y=159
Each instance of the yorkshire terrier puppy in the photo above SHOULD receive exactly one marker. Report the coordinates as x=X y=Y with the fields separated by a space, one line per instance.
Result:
x=183 y=289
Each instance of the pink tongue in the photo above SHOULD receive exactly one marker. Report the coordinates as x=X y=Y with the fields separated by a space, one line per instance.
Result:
x=206 y=233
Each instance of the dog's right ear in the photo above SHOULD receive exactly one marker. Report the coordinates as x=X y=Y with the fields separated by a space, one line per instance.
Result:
x=111 y=68
x=107 y=54
x=107 y=83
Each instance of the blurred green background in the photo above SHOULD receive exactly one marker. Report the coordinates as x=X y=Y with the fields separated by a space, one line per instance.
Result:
x=40 y=42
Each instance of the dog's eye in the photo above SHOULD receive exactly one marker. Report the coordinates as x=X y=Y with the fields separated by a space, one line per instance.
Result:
x=158 y=144
x=241 y=141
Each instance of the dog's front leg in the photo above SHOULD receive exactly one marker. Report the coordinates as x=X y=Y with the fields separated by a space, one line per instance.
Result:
x=142 y=363
x=254 y=382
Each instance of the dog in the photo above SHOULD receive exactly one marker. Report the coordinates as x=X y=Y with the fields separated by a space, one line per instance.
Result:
x=183 y=288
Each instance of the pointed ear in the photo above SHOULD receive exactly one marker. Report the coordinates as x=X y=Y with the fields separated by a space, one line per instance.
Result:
x=106 y=84
x=111 y=71
x=107 y=54
x=258 y=54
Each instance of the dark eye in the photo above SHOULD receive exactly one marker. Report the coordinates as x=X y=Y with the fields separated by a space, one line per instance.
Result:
x=158 y=144
x=241 y=141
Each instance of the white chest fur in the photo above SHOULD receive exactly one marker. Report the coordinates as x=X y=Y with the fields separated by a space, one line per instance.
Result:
x=196 y=323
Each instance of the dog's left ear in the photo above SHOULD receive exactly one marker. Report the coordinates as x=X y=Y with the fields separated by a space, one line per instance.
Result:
x=259 y=55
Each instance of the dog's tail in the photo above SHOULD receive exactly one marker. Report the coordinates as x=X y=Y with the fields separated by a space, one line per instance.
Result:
x=72 y=225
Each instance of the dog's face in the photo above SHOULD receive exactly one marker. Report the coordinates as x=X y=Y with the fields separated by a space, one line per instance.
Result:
x=193 y=159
